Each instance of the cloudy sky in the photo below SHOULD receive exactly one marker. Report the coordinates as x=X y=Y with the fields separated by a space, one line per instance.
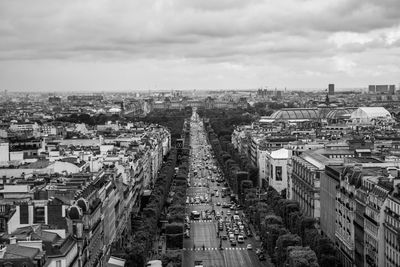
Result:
x=56 y=45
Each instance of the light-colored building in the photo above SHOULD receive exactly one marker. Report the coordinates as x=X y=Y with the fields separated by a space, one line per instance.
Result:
x=4 y=152
x=370 y=115
x=276 y=168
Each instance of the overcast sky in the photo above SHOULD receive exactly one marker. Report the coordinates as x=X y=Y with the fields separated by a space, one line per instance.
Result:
x=105 y=45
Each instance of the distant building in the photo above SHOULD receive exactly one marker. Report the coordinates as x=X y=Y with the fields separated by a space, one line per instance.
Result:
x=392 y=89
x=382 y=89
x=371 y=89
x=370 y=115
x=85 y=98
x=54 y=100
x=331 y=89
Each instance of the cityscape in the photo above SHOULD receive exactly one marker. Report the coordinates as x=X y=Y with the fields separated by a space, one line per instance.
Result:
x=169 y=133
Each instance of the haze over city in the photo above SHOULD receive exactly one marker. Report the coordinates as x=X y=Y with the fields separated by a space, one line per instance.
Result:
x=185 y=44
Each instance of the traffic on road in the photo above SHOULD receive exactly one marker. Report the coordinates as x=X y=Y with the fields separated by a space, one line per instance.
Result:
x=216 y=230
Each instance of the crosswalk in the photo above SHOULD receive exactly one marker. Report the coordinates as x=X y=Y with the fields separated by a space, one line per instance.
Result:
x=207 y=249
x=201 y=221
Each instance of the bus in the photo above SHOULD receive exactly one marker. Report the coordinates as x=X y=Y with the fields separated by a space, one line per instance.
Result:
x=195 y=215
x=154 y=263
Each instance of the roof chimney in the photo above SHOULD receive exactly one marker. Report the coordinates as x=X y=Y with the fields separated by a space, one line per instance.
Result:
x=393 y=172
x=13 y=240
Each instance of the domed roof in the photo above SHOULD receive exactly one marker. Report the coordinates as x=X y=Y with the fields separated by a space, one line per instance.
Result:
x=83 y=204
x=74 y=212
x=296 y=114
x=339 y=113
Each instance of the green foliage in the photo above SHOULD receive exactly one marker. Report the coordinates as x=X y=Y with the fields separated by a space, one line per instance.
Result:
x=174 y=235
x=174 y=258
x=283 y=242
x=298 y=256
x=300 y=225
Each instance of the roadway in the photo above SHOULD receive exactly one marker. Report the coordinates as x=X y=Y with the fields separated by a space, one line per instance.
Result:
x=204 y=231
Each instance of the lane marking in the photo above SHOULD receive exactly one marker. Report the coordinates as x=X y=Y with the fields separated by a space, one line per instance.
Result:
x=213 y=248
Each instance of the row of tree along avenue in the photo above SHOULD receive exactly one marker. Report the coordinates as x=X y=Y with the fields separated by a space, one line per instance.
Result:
x=238 y=170
x=174 y=229
x=287 y=235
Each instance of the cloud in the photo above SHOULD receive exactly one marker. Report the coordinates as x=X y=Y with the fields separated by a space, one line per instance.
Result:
x=329 y=38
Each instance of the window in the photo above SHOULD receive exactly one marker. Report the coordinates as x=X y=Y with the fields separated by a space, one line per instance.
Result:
x=278 y=173
x=58 y=263
x=39 y=215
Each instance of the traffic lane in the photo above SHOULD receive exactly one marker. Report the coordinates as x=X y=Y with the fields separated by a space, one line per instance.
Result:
x=209 y=258
x=204 y=233
x=241 y=258
x=222 y=258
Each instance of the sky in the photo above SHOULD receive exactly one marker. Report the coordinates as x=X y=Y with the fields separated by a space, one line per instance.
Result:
x=105 y=45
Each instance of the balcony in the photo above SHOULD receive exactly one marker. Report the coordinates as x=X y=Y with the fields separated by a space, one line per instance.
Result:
x=370 y=219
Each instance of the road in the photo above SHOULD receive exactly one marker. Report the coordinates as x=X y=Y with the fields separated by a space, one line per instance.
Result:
x=205 y=180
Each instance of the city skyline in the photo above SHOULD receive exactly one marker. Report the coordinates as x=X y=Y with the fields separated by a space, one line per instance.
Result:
x=116 y=45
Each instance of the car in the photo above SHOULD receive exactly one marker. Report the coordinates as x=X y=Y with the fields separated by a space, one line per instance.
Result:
x=228 y=213
x=261 y=257
x=218 y=204
x=240 y=239
x=225 y=205
x=224 y=237
x=233 y=242
x=249 y=247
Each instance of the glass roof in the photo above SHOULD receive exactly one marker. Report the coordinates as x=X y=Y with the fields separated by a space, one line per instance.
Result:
x=337 y=113
x=296 y=114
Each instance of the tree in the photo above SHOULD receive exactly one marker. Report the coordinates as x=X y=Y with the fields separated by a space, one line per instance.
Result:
x=298 y=256
x=282 y=243
x=174 y=235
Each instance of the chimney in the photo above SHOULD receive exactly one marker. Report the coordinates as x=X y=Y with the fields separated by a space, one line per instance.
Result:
x=3 y=250
x=358 y=167
x=393 y=172
x=13 y=240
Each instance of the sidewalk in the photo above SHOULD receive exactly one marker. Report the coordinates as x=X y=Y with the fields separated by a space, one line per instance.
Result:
x=258 y=244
